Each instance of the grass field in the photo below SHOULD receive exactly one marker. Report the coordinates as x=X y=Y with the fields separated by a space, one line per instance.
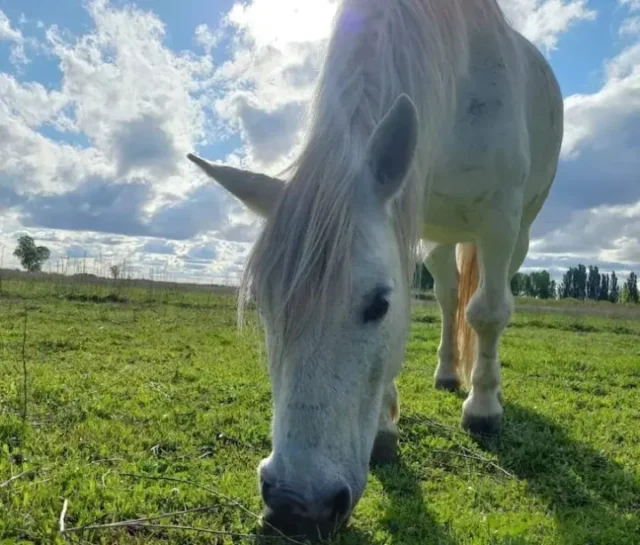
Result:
x=142 y=403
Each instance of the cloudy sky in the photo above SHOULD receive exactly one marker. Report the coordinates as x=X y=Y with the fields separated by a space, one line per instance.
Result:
x=100 y=101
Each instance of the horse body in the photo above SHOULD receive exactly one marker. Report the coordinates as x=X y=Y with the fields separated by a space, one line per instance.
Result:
x=499 y=125
x=489 y=184
x=432 y=120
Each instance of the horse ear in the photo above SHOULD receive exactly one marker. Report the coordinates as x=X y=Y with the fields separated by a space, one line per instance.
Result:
x=392 y=146
x=258 y=192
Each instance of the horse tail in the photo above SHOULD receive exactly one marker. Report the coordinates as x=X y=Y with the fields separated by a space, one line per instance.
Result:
x=463 y=336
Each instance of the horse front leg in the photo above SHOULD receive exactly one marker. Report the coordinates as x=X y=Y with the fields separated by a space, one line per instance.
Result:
x=488 y=313
x=385 y=446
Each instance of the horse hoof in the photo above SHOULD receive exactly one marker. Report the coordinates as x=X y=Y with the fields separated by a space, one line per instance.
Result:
x=448 y=384
x=482 y=426
x=385 y=449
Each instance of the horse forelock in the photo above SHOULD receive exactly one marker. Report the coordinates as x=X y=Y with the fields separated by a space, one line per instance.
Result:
x=300 y=265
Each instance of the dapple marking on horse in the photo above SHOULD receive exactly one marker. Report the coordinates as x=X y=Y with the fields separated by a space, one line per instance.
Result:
x=432 y=121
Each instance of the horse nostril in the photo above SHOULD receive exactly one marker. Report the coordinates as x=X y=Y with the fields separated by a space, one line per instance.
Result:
x=265 y=490
x=341 y=502
x=281 y=499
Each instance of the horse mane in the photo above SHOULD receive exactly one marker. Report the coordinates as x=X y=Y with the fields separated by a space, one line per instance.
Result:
x=378 y=49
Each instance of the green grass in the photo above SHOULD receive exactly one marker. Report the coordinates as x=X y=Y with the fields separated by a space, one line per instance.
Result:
x=126 y=393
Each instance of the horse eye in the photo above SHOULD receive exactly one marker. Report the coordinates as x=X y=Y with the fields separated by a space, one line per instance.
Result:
x=376 y=310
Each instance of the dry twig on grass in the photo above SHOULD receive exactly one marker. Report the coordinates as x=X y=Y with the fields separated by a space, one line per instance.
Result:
x=470 y=455
x=16 y=477
x=135 y=522
x=233 y=502
x=63 y=515
x=145 y=523
x=141 y=525
x=466 y=452
x=478 y=456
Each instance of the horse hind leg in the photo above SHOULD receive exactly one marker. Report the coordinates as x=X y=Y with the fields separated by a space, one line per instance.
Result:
x=441 y=263
x=488 y=313
x=519 y=254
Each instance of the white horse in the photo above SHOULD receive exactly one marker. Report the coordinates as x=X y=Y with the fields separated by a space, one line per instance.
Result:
x=433 y=120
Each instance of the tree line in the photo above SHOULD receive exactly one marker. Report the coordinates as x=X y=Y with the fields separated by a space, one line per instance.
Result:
x=579 y=282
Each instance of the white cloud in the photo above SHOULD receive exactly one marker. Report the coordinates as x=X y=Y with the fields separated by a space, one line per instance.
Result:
x=543 y=21
x=630 y=26
x=157 y=246
x=126 y=52
x=11 y=34
x=593 y=120
x=594 y=207
x=269 y=133
x=633 y=5
x=605 y=233
x=207 y=38
x=278 y=24
x=134 y=100
x=7 y=32
x=130 y=108
x=204 y=259
x=268 y=80
x=31 y=103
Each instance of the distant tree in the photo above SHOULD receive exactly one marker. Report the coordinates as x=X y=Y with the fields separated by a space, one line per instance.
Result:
x=614 y=294
x=115 y=271
x=603 y=292
x=569 y=286
x=631 y=286
x=593 y=283
x=574 y=283
x=517 y=283
x=564 y=289
x=540 y=284
x=535 y=284
x=527 y=287
x=31 y=256
x=580 y=284
x=624 y=294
